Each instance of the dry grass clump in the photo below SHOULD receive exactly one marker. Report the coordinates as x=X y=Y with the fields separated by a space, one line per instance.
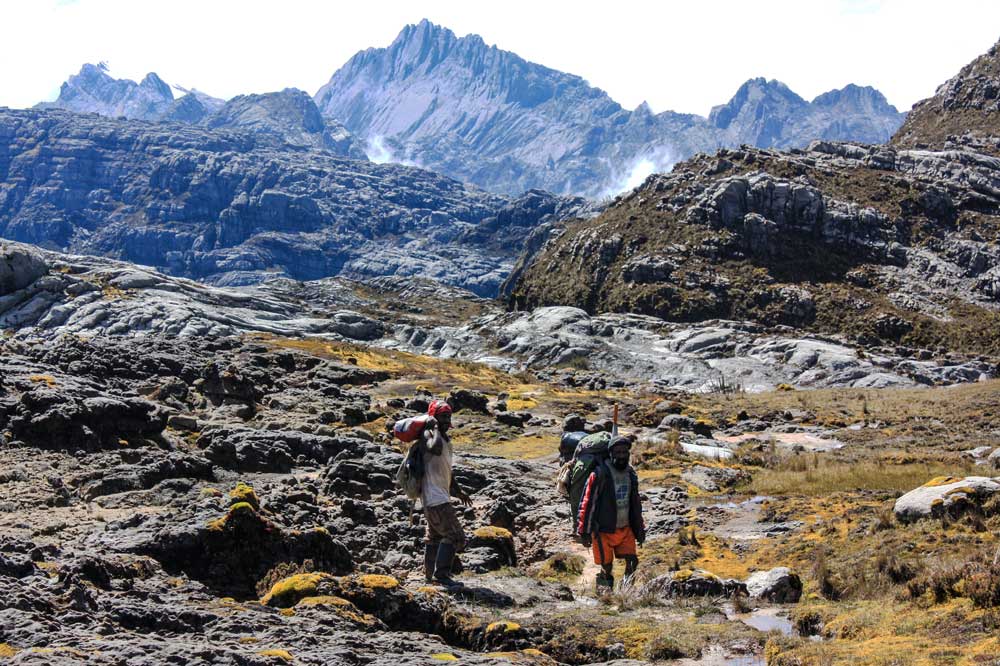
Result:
x=826 y=477
x=977 y=579
x=561 y=568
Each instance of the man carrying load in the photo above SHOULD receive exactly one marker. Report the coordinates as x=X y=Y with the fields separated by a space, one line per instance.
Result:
x=610 y=514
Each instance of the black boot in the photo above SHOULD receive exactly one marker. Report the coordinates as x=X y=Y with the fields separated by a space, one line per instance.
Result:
x=442 y=566
x=605 y=583
x=430 y=556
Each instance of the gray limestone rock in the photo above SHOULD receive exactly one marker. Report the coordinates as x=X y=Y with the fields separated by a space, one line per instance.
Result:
x=945 y=495
x=20 y=266
x=780 y=585
x=713 y=479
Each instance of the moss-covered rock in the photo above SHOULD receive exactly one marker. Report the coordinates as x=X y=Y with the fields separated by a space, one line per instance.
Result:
x=693 y=583
x=243 y=493
x=946 y=494
x=233 y=552
x=498 y=539
x=289 y=591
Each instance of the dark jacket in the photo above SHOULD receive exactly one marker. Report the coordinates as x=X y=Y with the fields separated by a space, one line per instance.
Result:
x=599 y=510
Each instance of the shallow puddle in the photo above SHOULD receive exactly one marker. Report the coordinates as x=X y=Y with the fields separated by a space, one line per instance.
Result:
x=767 y=619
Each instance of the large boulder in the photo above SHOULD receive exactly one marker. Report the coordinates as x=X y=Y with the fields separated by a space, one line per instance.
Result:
x=20 y=265
x=233 y=552
x=56 y=419
x=779 y=585
x=467 y=399
x=693 y=583
x=713 y=479
x=945 y=494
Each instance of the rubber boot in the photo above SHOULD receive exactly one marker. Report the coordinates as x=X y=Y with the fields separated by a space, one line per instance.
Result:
x=430 y=557
x=605 y=583
x=442 y=566
x=631 y=564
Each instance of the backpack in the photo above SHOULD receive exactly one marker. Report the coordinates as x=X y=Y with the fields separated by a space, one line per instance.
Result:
x=568 y=444
x=408 y=430
x=410 y=475
x=590 y=452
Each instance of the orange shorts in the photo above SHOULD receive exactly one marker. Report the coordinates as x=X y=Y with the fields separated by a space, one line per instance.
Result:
x=609 y=545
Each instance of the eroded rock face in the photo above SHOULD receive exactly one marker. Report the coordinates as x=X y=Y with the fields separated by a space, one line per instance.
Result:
x=237 y=206
x=963 y=110
x=876 y=243
x=52 y=418
x=711 y=356
x=233 y=552
x=946 y=495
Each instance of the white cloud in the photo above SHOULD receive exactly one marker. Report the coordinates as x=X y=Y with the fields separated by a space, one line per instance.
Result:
x=680 y=56
x=656 y=159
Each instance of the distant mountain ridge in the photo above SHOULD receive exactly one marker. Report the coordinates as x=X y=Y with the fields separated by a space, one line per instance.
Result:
x=284 y=118
x=489 y=117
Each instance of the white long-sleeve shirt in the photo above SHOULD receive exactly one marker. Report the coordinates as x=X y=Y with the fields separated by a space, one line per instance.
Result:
x=436 y=488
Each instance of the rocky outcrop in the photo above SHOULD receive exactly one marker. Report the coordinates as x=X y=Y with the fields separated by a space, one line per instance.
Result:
x=231 y=208
x=88 y=296
x=715 y=355
x=20 y=266
x=489 y=117
x=91 y=296
x=872 y=242
x=289 y=117
x=693 y=583
x=962 y=113
x=713 y=479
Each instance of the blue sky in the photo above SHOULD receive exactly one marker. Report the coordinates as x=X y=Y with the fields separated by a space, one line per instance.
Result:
x=684 y=56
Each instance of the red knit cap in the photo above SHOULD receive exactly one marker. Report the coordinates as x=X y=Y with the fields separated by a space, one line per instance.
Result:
x=438 y=407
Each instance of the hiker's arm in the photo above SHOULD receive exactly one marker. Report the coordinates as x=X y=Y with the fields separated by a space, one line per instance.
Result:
x=459 y=494
x=587 y=502
x=635 y=511
x=433 y=443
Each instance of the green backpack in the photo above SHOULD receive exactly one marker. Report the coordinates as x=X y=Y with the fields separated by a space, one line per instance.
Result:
x=590 y=452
